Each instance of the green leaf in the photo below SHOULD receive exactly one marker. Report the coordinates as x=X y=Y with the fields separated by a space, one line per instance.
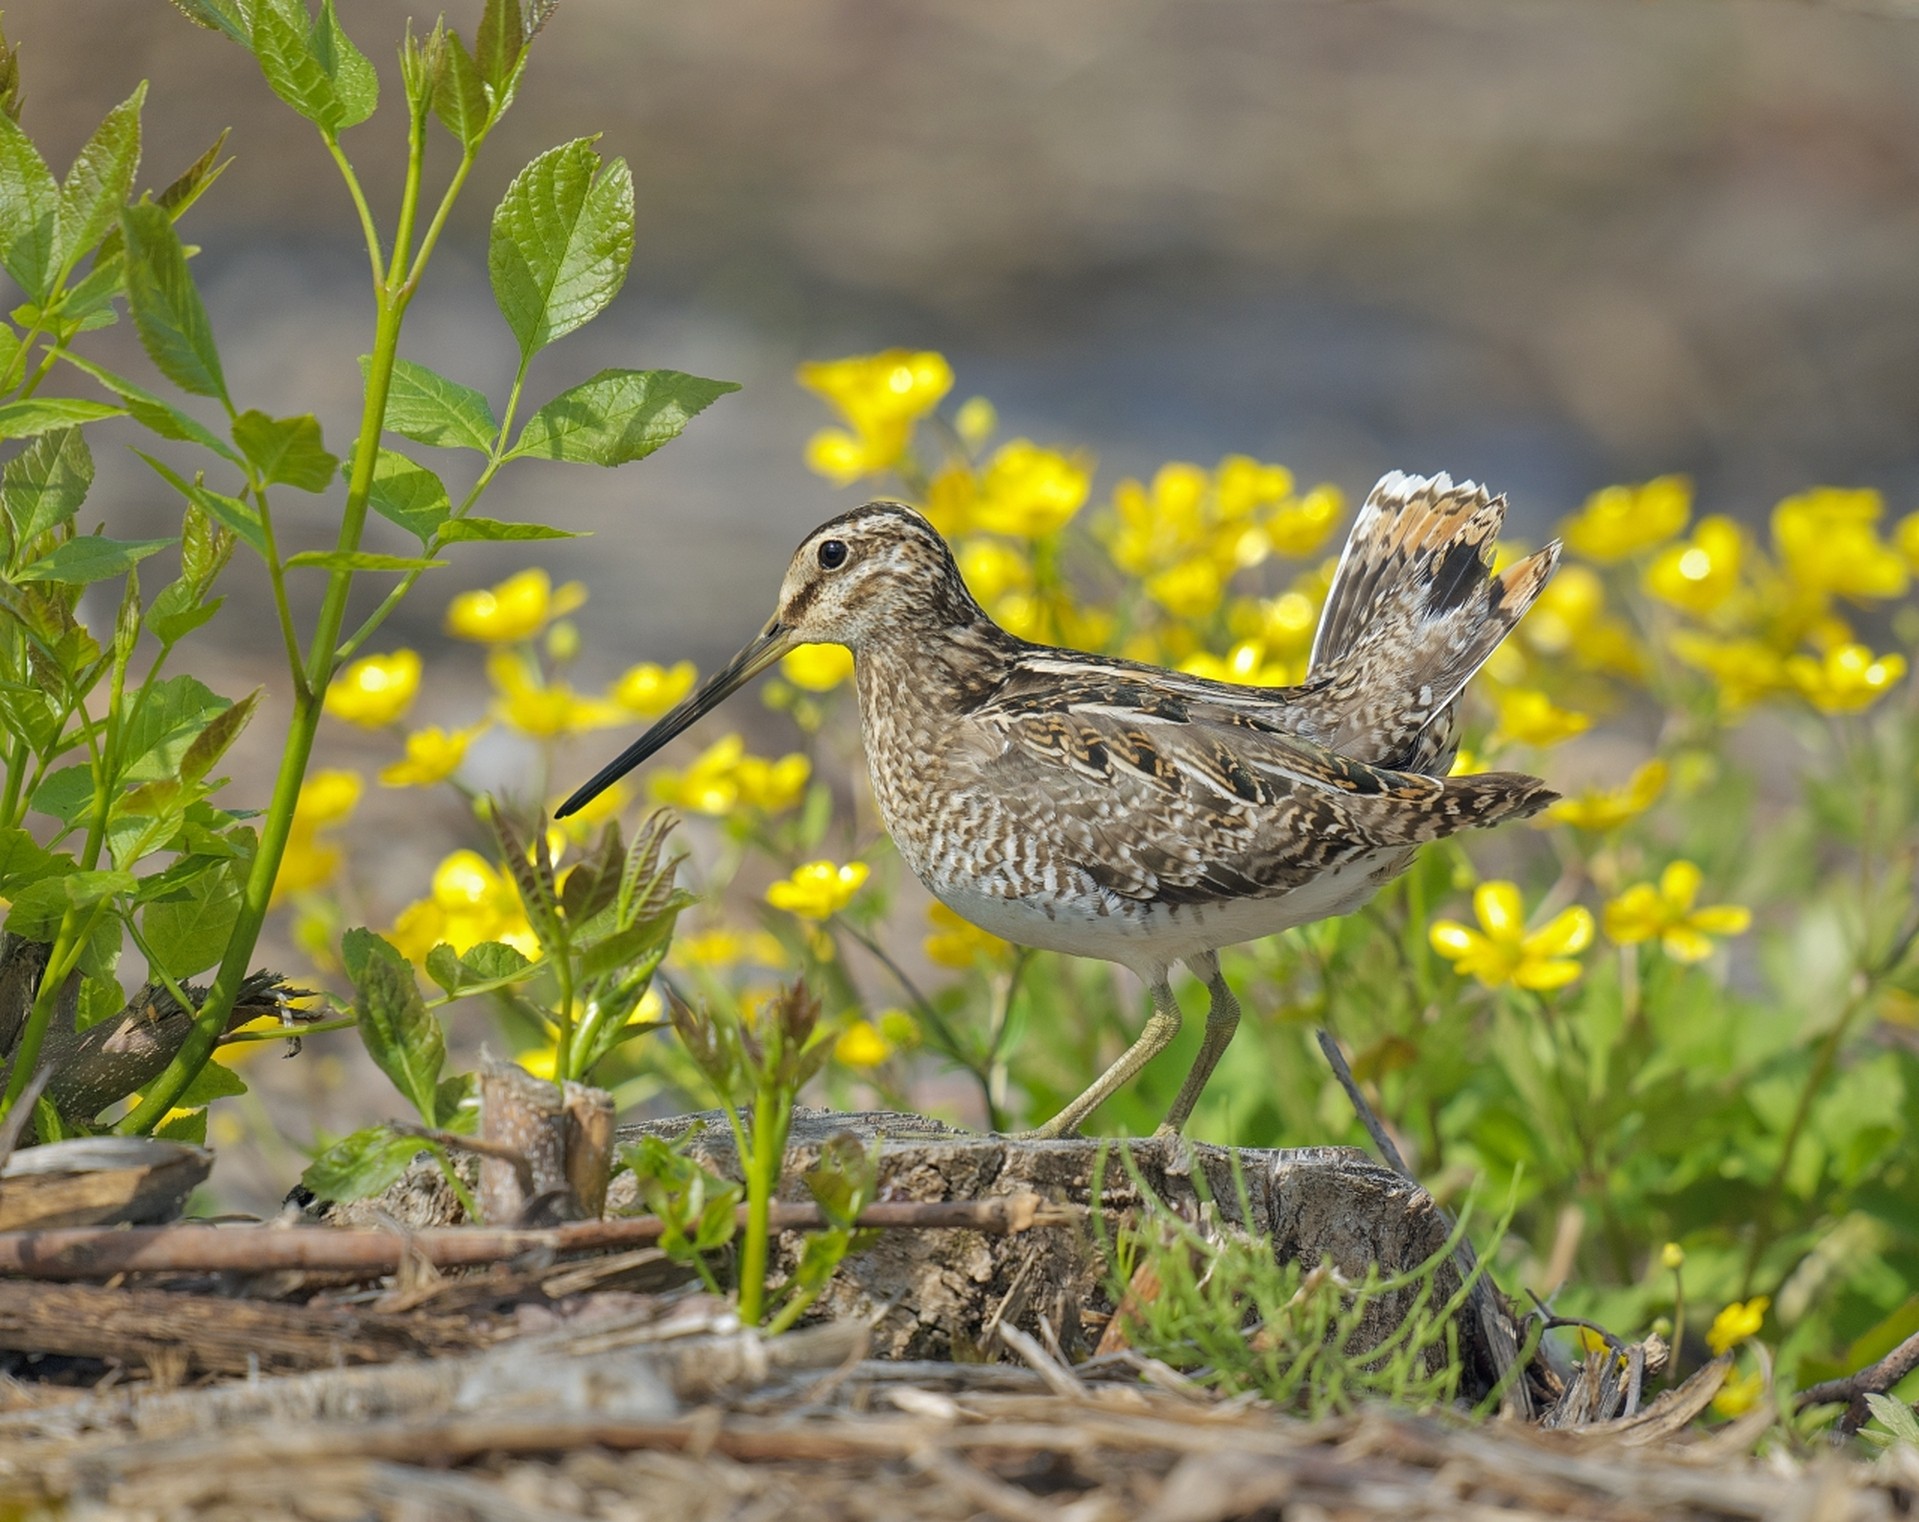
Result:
x=217 y=738
x=499 y=42
x=91 y=558
x=408 y=494
x=214 y=1081
x=361 y=1165
x=29 y=212
x=28 y=714
x=151 y=413
x=461 y=100
x=24 y=860
x=617 y=416
x=452 y=1108
x=356 y=86
x=43 y=486
x=100 y=181
x=194 y=181
x=359 y=560
x=189 y=1126
x=38 y=906
x=286 y=450
x=401 y=1036
x=166 y=306
x=188 y=931
x=561 y=242
x=231 y=512
x=164 y=722
x=313 y=67
x=43 y=414
x=492 y=530
x=218 y=16
x=64 y=794
x=430 y=409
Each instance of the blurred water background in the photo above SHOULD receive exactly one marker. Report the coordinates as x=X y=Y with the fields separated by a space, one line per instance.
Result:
x=1550 y=244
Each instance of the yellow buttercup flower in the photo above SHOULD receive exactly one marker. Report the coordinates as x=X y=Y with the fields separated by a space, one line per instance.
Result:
x=1743 y=670
x=1906 y=537
x=1739 y=1394
x=819 y=889
x=470 y=902
x=1608 y=808
x=327 y=800
x=1188 y=588
x=1828 y=543
x=956 y=942
x=772 y=786
x=1672 y=1257
x=432 y=755
x=1532 y=718
x=992 y=568
x=1247 y=664
x=1567 y=609
x=1847 y=678
x=880 y=396
x=862 y=1045
x=1028 y=492
x=649 y=690
x=1737 y=1323
x=375 y=691
x=817 y=668
x=710 y=785
x=1288 y=622
x=1298 y=526
x=1244 y=485
x=539 y=708
x=1155 y=525
x=976 y=421
x=1701 y=574
x=1502 y=951
x=518 y=608
x=1620 y=521
x=1668 y=914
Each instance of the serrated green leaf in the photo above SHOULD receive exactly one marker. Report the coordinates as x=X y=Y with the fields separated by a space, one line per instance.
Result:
x=42 y=414
x=493 y=962
x=561 y=242
x=166 y=306
x=188 y=931
x=359 y=560
x=427 y=408
x=617 y=416
x=195 y=180
x=28 y=714
x=163 y=723
x=461 y=100
x=408 y=494
x=91 y=558
x=101 y=179
x=286 y=450
x=153 y=414
x=38 y=906
x=214 y=1081
x=355 y=85
x=24 y=860
x=231 y=512
x=43 y=486
x=493 y=531
x=29 y=212
x=64 y=793
x=361 y=1165
x=401 y=1036
x=218 y=16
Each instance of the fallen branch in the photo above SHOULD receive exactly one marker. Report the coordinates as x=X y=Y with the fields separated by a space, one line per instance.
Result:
x=1873 y=1379
x=100 y=1252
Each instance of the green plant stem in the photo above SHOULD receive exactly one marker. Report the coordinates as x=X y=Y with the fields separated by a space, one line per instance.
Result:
x=277 y=576
x=62 y=958
x=17 y=758
x=368 y=230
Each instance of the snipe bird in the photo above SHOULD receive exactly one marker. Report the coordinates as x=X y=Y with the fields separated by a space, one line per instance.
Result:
x=1117 y=810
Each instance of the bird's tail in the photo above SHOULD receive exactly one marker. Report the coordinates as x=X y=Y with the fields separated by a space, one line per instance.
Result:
x=1414 y=610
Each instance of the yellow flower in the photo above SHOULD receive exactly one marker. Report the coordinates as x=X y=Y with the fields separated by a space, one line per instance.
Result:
x=1739 y=1394
x=432 y=755
x=1828 y=543
x=772 y=786
x=1246 y=664
x=1699 y=575
x=818 y=890
x=880 y=396
x=1501 y=951
x=1667 y=912
x=1466 y=764
x=1906 y=536
x=1288 y=622
x=1743 y=670
x=518 y=608
x=1672 y=1257
x=375 y=691
x=1847 y=678
x=992 y=568
x=470 y=902
x=1736 y=1323
x=1623 y=520
x=723 y=946
x=956 y=942
x=327 y=798
x=648 y=690
x=862 y=1045
x=1156 y=525
x=976 y=421
x=1608 y=808
x=1567 y=609
x=1027 y=492
x=817 y=668
x=1243 y=485
x=1299 y=526
x=710 y=785
x=1532 y=718
x=1188 y=588
x=542 y=709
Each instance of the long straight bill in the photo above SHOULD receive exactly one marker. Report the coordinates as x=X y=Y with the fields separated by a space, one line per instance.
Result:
x=773 y=642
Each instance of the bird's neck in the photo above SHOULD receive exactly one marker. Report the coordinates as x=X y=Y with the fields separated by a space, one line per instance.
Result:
x=943 y=669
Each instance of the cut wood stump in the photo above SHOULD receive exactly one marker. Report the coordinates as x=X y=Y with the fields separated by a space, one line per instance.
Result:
x=945 y=1294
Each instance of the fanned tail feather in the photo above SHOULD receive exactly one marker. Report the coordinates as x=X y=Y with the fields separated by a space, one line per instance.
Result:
x=1413 y=612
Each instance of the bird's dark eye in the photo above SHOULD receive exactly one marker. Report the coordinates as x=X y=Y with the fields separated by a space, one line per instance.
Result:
x=832 y=554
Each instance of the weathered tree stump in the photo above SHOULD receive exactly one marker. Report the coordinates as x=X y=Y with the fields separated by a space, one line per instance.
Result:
x=943 y=1294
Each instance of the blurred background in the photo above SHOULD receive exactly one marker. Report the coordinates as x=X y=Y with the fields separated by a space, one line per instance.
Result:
x=1550 y=244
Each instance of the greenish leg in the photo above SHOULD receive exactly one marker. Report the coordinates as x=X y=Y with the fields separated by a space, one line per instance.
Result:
x=1161 y=1026
x=1222 y=1019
